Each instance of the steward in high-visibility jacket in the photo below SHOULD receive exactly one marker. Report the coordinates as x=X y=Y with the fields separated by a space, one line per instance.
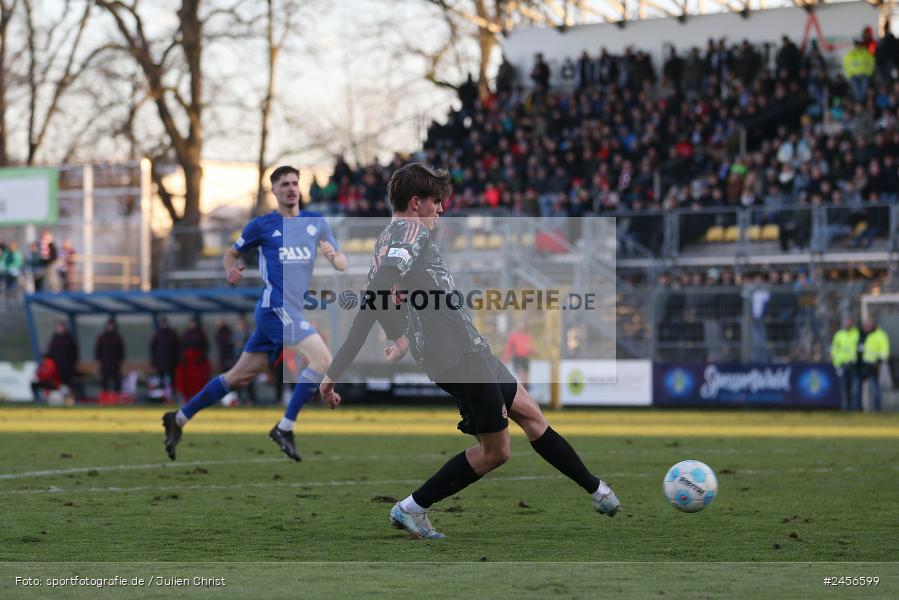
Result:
x=858 y=62
x=876 y=347
x=844 y=346
x=844 y=353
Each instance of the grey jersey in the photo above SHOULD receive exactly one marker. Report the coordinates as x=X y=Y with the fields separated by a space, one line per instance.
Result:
x=441 y=331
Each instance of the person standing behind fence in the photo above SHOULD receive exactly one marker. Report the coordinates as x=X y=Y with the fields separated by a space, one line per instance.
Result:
x=13 y=262
x=63 y=350
x=843 y=351
x=759 y=298
x=224 y=343
x=4 y=252
x=874 y=350
x=65 y=266
x=36 y=268
x=519 y=347
x=194 y=370
x=49 y=256
x=164 y=354
x=109 y=351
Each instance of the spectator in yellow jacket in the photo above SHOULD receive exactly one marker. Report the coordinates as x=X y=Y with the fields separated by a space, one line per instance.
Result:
x=858 y=67
x=874 y=348
x=844 y=354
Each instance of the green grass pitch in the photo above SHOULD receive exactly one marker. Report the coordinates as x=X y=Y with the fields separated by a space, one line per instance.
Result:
x=790 y=510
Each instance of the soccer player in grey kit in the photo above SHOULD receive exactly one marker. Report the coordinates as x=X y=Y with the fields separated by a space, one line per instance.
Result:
x=446 y=344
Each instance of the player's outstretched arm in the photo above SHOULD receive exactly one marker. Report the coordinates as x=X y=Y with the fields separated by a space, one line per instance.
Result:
x=233 y=267
x=331 y=398
x=365 y=318
x=336 y=258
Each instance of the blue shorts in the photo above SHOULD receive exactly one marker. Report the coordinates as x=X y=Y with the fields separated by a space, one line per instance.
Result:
x=277 y=327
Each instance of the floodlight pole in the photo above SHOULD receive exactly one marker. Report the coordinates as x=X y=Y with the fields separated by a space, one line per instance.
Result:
x=145 y=217
x=87 y=187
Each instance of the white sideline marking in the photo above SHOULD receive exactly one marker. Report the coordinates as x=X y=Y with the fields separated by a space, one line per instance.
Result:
x=170 y=465
x=237 y=486
x=201 y=463
x=367 y=457
x=337 y=483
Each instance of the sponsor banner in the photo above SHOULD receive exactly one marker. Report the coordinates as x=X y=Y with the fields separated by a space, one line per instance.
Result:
x=539 y=377
x=415 y=385
x=796 y=385
x=15 y=381
x=605 y=382
x=28 y=196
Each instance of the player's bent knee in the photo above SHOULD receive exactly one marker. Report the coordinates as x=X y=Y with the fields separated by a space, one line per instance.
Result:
x=239 y=379
x=498 y=456
x=533 y=428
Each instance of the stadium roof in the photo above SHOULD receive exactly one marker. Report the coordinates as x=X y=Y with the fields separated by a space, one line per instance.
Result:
x=152 y=304
x=161 y=301
x=568 y=13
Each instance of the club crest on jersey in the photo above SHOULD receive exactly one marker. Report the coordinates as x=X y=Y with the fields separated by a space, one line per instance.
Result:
x=294 y=253
x=311 y=229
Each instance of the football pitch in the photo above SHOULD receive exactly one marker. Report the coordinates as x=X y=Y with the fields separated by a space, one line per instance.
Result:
x=89 y=492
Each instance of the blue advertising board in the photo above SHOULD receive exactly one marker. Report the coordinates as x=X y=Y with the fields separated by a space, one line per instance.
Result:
x=796 y=385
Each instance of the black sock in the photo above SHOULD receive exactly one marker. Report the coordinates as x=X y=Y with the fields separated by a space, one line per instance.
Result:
x=558 y=452
x=452 y=477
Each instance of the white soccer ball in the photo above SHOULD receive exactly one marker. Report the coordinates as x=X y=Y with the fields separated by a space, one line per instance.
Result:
x=690 y=486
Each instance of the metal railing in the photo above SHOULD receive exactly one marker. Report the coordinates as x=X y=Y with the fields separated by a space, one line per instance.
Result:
x=121 y=272
x=770 y=229
x=749 y=323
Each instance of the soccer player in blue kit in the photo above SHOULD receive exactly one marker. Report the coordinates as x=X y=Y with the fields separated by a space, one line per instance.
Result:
x=288 y=240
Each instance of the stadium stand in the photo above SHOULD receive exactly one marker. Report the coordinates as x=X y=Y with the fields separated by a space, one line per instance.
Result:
x=715 y=137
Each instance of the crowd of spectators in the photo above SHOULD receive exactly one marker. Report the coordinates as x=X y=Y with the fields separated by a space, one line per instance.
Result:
x=733 y=126
x=44 y=267
x=179 y=363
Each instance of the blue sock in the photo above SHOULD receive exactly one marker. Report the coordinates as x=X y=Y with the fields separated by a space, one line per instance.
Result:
x=307 y=383
x=214 y=391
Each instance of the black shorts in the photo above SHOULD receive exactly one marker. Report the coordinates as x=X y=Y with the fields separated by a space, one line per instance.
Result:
x=483 y=390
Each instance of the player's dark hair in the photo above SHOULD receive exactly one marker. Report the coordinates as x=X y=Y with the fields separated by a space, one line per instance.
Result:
x=281 y=172
x=415 y=179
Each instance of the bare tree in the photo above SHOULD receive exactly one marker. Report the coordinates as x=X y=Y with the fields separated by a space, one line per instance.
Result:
x=279 y=22
x=44 y=52
x=178 y=106
x=7 y=8
x=43 y=56
x=480 y=24
x=479 y=21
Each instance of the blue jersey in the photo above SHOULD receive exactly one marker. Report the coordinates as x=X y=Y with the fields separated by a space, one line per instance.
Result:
x=287 y=250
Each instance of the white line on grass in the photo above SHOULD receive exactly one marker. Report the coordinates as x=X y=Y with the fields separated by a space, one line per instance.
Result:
x=366 y=457
x=239 y=486
x=170 y=465
x=354 y=482
x=201 y=463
